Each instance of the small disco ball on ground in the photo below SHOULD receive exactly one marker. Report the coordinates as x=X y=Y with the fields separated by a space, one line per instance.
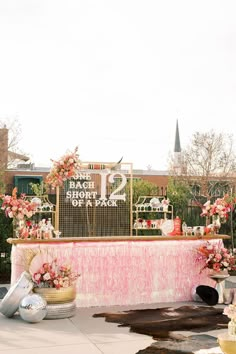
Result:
x=33 y=308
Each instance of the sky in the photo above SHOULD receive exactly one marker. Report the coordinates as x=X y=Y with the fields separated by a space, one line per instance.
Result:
x=113 y=77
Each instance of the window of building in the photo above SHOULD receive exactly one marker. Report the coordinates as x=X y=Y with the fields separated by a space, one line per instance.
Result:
x=23 y=183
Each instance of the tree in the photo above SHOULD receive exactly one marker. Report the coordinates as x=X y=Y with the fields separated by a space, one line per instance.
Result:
x=208 y=165
x=13 y=135
x=179 y=194
x=141 y=187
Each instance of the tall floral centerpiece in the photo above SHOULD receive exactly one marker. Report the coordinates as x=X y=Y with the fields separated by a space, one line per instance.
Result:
x=215 y=257
x=18 y=209
x=63 y=169
x=218 y=211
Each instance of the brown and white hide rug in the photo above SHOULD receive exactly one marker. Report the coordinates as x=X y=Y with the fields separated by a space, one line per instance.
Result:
x=163 y=324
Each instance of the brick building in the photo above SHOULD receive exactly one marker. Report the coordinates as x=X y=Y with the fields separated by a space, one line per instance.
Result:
x=23 y=172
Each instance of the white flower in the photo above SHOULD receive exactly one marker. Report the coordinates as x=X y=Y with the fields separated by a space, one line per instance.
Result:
x=230 y=311
x=46 y=276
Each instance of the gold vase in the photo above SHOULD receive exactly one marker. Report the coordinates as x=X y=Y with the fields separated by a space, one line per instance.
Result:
x=57 y=296
x=227 y=343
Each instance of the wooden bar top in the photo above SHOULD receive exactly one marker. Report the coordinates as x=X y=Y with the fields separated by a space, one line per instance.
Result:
x=15 y=241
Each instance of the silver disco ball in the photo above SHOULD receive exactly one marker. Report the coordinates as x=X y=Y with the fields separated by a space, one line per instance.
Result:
x=33 y=308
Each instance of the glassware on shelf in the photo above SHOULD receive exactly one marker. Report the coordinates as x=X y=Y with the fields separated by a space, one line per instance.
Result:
x=184 y=228
x=57 y=233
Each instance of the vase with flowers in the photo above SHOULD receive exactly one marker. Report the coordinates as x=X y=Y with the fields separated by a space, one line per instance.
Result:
x=217 y=211
x=19 y=210
x=54 y=280
x=215 y=257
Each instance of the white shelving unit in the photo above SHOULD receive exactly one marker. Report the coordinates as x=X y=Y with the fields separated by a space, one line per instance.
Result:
x=149 y=213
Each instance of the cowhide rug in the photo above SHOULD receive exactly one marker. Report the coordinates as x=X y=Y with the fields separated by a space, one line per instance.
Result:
x=163 y=323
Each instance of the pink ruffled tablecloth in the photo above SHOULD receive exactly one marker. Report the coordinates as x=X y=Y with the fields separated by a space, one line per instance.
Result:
x=125 y=273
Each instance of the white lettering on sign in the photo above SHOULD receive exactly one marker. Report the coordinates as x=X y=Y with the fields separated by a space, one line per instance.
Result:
x=83 y=176
x=119 y=188
x=81 y=190
x=81 y=194
x=77 y=202
x=81 y=185
x=105 y=203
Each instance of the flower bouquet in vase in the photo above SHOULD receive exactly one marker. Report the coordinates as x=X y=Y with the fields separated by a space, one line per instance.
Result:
x=19 y=210
x=53 y=280
x=217 y=213
x=216 y=258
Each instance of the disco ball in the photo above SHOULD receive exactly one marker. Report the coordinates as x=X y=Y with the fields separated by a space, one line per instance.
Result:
x=33 y=308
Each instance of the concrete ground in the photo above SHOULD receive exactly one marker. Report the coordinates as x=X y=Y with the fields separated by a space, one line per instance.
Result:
x=81 y=334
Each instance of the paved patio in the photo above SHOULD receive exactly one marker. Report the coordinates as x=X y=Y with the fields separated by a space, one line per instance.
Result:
x=80 y=334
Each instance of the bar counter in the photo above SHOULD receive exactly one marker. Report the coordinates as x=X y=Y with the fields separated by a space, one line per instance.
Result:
x=123 y=270
x=15 y=241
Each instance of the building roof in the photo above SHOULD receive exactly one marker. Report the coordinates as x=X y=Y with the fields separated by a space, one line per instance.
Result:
x=14 y=155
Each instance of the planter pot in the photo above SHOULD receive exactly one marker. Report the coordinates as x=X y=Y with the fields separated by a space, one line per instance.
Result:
x=56 y=311
x=57 y=296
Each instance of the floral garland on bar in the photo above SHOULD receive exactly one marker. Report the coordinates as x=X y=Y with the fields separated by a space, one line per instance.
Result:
x=63 y=169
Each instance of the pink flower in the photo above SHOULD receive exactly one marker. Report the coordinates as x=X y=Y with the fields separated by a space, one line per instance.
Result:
x=37 y=277
x=218 y=257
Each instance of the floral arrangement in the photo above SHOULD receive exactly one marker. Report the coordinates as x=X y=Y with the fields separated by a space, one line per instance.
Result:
x=165 y=201
x=230 y=311
x=215 y=257
x=63 y=169
x=17 y=208
x=221 y=207
x=53 y=275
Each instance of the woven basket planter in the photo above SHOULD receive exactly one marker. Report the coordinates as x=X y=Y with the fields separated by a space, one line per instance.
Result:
x=57 y=296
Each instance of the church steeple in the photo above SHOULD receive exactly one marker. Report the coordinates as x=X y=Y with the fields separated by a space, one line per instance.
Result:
x=177 y=151
x=177 y=139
